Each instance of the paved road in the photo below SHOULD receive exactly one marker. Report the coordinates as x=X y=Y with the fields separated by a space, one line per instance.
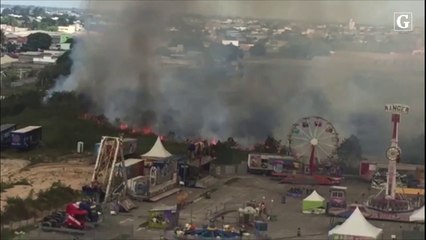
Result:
x=289 y=216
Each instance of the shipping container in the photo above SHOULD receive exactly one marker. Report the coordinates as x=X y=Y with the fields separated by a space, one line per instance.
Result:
x=6 y=130
x=26 y=138
x=129 y=146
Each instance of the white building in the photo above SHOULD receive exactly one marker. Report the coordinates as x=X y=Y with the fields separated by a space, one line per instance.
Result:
x=233 y=42
x=71 y=28
x=45 y=60
x=352 y=25
x=12 y=29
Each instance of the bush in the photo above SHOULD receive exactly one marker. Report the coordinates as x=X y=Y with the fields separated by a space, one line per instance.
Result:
x=7 y=185
x=55 y=197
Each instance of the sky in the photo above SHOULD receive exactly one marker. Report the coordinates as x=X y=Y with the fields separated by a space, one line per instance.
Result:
x=45 y=3
x=369 y=12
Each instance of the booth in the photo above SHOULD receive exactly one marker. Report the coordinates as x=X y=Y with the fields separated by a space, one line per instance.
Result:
x=163 y=217
x=355 y=227
x=418 y=215
x=314 y=204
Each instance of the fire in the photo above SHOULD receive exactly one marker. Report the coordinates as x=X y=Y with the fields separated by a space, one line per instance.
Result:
x=213 y=141
x=124 y=126
x=146 y=130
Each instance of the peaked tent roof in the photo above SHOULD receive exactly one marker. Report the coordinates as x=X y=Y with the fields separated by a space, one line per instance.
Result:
x=418 y=215
x=157 y=151
x=314 y=197
x=356 y=225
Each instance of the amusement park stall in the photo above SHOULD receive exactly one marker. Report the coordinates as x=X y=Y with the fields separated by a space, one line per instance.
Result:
x=163 y=217
x=356 y=227
x=314 y=203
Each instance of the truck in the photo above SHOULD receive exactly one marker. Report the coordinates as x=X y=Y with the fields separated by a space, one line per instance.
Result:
x=26 y=138
x=6 y=129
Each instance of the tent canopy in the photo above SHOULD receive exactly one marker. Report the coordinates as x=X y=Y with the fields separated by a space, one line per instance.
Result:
x=314 y=197
x=356 y=225
x=418 y=215
x=312 y=203
x=157 y=151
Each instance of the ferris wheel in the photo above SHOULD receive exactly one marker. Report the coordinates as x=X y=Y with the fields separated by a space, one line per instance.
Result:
x=313 y=140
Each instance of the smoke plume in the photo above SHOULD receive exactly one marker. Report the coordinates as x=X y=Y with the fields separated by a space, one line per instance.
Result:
x=117 y=67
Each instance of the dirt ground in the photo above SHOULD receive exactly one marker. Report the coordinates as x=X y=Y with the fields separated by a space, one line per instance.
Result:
x=74 y=173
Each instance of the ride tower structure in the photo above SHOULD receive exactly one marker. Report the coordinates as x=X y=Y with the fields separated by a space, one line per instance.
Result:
x=109 y=173
x=388 y=200
x=393 y=153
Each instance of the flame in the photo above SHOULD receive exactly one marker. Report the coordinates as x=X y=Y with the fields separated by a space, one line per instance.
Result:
x=146 y=130
x=213 y=141
x=124 y=126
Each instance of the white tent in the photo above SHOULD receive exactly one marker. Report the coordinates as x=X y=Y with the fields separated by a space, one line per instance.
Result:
x=314 y=197
x=357 y=226
x=314 y=203
x=418 y=215
x=157 y=151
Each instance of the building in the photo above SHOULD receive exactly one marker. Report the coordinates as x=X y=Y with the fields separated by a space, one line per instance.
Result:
x=45 y=60
x=233 y=42
x=71 y=28
x=15 y=39
x=7 y=61
x=351 y=25
x=11 y=29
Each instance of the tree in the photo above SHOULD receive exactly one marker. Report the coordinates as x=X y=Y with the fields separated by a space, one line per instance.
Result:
x=258 y=50
x=3 y=37
x=62 y=21
x=7 y=11
x=38 y=11
x=38 y=40
x=11 y=47
x=350 y=152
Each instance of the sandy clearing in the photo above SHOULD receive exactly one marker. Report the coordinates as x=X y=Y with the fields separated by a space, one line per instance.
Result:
x=74 y=173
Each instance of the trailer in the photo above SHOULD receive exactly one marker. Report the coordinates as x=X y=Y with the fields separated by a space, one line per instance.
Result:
x=6 y=129
x=26 y=138
x=270 y=164
x=129 y=146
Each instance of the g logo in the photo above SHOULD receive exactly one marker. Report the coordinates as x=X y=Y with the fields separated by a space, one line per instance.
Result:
x=403 y=21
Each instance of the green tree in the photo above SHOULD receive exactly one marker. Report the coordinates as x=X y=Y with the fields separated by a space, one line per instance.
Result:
x=38 y=11
x=3 y=37
x=38 y=40
x=11 y=47
x=350 y=153
x=62 y=21
x=8 y=20
x=258 y=50
x=6 y=11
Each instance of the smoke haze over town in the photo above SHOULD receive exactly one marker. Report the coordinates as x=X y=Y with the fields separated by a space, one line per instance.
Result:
x=118 y=69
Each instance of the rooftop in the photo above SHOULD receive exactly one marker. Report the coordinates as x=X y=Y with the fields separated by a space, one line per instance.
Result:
x=26 y=129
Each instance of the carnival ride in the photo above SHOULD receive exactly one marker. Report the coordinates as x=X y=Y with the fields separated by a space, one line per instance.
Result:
x=314 y=142
x=76 y=219
x=107 y=187
x=387 y=203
